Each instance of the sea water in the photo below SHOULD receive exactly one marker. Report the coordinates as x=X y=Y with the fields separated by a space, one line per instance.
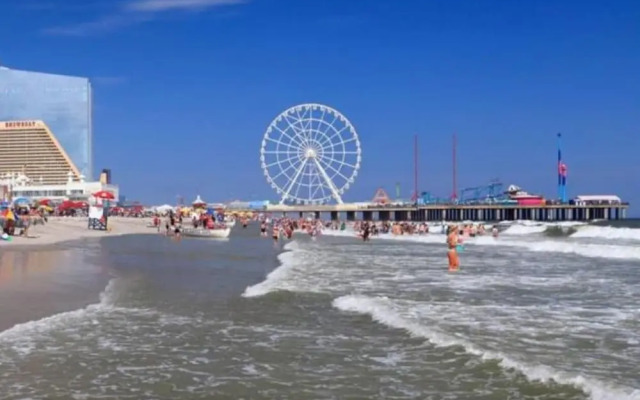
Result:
x=539 y=313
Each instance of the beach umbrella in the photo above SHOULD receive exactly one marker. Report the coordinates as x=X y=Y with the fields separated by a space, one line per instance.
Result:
x=69 y=204
x=44 y=202
x=104 y=195
x=21 y=201
x=4 y=204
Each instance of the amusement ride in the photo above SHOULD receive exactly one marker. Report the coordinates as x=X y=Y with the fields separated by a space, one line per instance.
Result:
x=310 y=154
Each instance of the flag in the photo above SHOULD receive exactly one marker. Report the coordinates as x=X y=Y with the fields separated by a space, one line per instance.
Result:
x=562 y=169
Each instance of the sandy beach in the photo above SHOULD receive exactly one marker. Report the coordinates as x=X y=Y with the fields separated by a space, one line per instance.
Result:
x=64 y=229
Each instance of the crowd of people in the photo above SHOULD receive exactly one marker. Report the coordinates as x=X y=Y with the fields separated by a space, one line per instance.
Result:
x=455 y=234
x=17 y=220
x=284 y=228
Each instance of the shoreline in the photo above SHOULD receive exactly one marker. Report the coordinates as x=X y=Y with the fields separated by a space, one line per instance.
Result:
x=60 y=230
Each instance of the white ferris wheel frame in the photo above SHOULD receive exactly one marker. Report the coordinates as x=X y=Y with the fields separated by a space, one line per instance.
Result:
x=309 y=151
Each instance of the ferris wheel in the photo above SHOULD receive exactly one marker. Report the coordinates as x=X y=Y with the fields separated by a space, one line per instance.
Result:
x=310 y=154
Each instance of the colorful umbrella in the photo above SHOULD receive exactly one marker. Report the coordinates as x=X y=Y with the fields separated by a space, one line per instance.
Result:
x=68 y=204
x=103 y=194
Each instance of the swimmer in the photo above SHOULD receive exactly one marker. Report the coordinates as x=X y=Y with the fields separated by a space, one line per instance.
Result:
x=176 y=233
x=263 y=229
x=494 y=232
x=452 y=243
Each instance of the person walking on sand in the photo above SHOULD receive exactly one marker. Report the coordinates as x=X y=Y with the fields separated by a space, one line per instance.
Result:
x=452 y=243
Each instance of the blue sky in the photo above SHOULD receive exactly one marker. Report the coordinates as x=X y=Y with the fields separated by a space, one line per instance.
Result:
x=184 y=89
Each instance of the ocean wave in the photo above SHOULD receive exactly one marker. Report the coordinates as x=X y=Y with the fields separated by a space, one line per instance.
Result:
x=559 y=228
x=520 y=230
x=22 y=339
x=386 y=312
x=590 y=250
x=607 y=232
x=276 y=277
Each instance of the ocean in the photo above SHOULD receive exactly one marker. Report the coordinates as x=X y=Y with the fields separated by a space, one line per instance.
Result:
x=542 y=312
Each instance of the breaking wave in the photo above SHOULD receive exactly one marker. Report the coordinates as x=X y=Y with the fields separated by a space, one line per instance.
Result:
x=590 y=250
x=277 y=277
x=384 y=311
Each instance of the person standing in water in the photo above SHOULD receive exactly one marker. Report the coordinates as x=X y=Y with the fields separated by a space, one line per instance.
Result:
x=452 y=243
x=276 y=232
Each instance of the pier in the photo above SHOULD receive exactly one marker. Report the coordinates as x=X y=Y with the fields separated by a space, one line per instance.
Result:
x=453 y=212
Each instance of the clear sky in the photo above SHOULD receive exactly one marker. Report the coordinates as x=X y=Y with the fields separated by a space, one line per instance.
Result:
x=184 y=89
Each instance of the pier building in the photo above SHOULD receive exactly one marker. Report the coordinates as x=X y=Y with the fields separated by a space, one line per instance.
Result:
x=548 y=212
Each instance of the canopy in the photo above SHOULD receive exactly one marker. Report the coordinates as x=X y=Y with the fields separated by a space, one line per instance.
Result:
x=199 y=202
x=68 y=204
x=21 y=200
x=606 y=197
x=164 y=208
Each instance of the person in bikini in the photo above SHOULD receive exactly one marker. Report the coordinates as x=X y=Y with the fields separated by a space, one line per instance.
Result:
x=452 y=243
x=263 y=229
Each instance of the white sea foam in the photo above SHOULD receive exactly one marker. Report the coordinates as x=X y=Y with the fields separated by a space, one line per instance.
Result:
x=591 y=250
x=22 y=338
x=384 y=311
x=519 y=229
x=277 y=276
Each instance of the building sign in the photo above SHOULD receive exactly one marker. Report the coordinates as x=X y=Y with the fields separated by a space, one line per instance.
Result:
x=20 y=124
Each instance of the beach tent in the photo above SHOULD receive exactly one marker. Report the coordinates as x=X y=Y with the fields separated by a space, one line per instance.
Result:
x=71 y=205
x=198 y=202
x=165 y=208
x=21 y=201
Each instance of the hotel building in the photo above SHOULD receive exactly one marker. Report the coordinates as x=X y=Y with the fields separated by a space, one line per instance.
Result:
x=30 y=148
x=45 y=137
x=34 y=165
x=62 y=104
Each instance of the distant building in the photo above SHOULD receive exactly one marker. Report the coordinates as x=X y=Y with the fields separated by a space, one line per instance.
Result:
x=29 y=148
x=62 y=103
x=19 y=185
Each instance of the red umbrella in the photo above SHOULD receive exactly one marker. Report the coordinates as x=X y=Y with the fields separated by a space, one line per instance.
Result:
x=68 y=204
x=44 y=202
x=103 y=194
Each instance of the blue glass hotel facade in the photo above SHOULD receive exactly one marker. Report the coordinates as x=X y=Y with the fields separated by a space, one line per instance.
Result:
x=63 y=103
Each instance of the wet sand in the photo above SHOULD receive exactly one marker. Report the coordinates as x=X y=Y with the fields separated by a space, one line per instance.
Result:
x=56 y=269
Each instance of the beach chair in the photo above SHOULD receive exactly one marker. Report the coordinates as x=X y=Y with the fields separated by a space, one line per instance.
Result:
x=97 y=219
